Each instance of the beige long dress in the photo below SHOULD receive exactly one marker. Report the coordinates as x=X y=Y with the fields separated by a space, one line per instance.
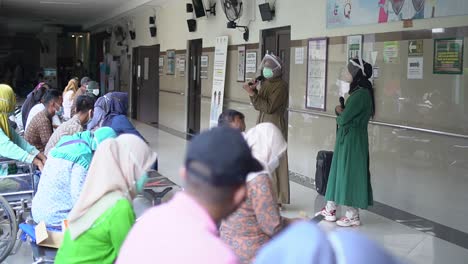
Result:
x=272 y=101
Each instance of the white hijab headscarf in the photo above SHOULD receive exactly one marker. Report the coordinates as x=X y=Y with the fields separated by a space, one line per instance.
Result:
x=268 y=145
x=115 y=168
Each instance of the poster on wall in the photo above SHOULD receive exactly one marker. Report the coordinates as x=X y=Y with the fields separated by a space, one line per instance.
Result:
x=317 y=74
x=241 y=64
x=415 y=68
x=219 y=79
x=391 y=52
x=416 y=48
x=171 y=62
x=345 y=13
x=251 y=62
x=204 y=60
x=181 y=65
x=161 y=65
x=299 y=55
x=354 y=46
x=448 y=56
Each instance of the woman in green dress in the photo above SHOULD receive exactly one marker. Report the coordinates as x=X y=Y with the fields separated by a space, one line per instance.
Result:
x=349 y=180
x=103 y=215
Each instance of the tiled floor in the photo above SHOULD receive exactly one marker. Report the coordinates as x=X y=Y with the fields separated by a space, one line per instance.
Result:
x=410 y=245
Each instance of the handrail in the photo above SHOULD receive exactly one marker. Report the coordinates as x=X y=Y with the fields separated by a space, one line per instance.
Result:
x=378 y=123
x=171 y=92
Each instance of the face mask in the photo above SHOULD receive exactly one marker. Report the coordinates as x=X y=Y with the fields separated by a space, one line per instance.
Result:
x=140 y=183
x=343 y=87
x=267 y=73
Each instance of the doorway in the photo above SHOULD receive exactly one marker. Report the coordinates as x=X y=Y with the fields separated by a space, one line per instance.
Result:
x=277 y=41
x=145 y=88
x=194 y=87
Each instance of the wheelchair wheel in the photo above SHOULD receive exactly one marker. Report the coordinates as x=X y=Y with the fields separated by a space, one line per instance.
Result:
x=8 y=229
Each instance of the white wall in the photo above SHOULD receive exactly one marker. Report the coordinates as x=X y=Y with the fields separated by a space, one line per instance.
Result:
x=307 y=19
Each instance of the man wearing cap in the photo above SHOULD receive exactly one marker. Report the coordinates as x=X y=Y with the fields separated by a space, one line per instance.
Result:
x=184 y=230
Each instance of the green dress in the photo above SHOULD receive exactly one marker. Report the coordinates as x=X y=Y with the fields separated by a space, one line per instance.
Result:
x=349 y=180
x=101 y=243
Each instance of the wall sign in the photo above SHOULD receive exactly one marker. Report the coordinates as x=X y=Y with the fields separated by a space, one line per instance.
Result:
x=416 y=48
x=316 y=91
x=448 y=56
x=161 y=65
x=204 y=60
x=241 y=64
x=171 y=62
x=251 y=62
x=354 y=47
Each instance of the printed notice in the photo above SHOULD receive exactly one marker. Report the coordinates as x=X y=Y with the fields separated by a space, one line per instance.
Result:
x=448 y=56
x=300 y=55
x=415 y=68
x=251 y=62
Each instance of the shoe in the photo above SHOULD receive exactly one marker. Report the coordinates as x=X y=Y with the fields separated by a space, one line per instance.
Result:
x=329 y=216
x=349 y=222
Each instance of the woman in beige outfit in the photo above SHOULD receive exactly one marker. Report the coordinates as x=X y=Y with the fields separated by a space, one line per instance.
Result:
x=271 y=100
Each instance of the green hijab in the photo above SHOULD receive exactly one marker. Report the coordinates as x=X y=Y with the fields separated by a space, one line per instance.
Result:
x=81 y=146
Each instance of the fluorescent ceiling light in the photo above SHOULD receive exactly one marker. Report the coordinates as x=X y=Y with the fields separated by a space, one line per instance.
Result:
x=58 y=3
x=438 y=30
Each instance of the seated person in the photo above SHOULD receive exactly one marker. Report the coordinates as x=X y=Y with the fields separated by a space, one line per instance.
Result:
x=233 y=119
x=81 y=91
x=112 y=111
x=84 y=109
x=40 y=129
x=64 y=174
x=32 y=99
x=13 y=146
x=56 y=119
x=103 y=214
x=258 y=218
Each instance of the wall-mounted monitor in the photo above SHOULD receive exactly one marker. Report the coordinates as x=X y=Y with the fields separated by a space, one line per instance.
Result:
x=199 y=8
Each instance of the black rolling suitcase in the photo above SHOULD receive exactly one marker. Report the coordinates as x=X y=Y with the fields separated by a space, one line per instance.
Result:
x=324 y=160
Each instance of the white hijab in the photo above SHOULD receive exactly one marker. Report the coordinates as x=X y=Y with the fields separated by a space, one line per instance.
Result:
x=268 y=145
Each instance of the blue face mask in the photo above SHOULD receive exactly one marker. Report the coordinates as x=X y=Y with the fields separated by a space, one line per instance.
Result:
x=140 y=183
x=267 y=73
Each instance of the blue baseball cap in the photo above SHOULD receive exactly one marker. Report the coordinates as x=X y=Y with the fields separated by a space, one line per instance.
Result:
x=221 y=157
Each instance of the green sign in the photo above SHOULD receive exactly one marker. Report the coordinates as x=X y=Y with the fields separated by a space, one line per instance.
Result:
x=415 y=48
x=448 y=56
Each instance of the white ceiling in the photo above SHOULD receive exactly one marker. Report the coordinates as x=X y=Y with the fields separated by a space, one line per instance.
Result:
x=87 y=13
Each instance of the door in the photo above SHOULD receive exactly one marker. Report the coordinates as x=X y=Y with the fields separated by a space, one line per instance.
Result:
x=145 y=96
x=277 y=41
x=194 y=87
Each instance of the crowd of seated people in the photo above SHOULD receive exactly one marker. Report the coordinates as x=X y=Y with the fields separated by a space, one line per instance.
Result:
x=97 y=162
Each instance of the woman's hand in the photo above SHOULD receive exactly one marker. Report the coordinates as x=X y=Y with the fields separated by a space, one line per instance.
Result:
x=338 y=110
x=42 y=157
x=38 y=163
x=250 y=88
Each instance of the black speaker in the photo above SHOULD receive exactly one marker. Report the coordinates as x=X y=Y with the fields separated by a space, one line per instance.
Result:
x=153 y=31
x=152 y=20
x=192 y=25
x=132 y=34
x=189 y=8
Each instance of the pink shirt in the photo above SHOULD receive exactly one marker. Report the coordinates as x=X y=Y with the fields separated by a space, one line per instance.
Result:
x=180 y=231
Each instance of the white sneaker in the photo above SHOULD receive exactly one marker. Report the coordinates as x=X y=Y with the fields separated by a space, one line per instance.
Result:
x=329 y=216
x=349 y=222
